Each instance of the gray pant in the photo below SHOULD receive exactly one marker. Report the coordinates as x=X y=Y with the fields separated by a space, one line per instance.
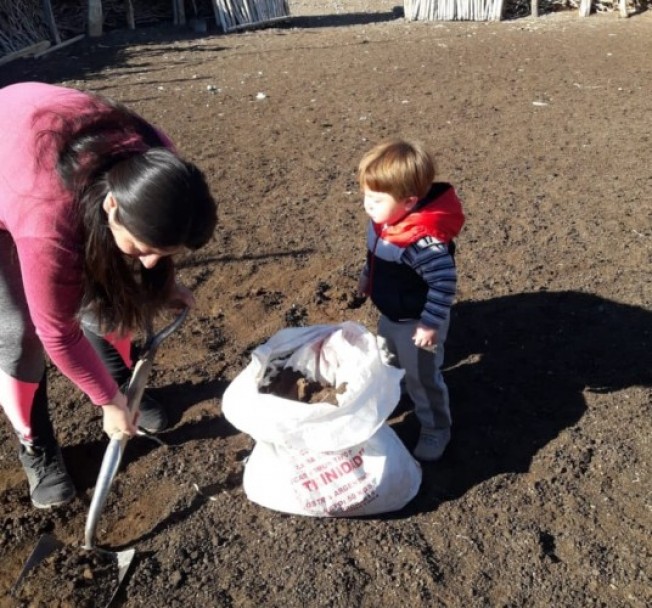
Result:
x=424 y=381
x=22 y=354
x=21 y=351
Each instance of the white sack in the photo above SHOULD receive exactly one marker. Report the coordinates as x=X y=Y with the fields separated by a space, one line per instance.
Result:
x=318 y=458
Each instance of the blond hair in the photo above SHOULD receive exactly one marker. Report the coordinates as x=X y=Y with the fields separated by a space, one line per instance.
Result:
x=397 y=167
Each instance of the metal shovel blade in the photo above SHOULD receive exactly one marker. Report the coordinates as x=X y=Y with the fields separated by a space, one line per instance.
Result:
x=48 y=544
x=45 y=546
x=123 y=559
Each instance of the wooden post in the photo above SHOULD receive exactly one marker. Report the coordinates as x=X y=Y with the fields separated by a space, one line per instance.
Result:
x=59 y=46
x=585 y=8
x=95 y=18
x=179 y=11
x=182 y=12
x=220 y=18
x=49 y=19
x=499 y=10
x=623 y=8
x=131 y=20
x=26 y=52
x=407 y=10
x=535 y=8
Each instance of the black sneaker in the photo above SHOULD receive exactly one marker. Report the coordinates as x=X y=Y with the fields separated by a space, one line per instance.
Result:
x=153 y=417
x=49 y=482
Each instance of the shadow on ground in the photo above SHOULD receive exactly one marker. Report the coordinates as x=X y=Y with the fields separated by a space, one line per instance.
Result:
x=342 y=19
x=517 y=369
x=178 y=397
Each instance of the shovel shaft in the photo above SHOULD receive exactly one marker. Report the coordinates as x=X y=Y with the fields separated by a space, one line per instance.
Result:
x=138 y=382
x=113 y=454
x=108 y=470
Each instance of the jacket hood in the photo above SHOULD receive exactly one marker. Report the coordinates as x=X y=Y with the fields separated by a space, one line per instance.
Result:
x=438 y=215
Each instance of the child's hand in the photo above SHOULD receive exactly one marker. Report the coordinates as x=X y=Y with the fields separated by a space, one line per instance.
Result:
x=363 y=285
x=425 y=337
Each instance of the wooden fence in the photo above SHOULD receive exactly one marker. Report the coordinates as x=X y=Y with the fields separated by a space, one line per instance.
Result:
x=454 y=10
x=28 y=28
x=494 y=10
x=232 y=15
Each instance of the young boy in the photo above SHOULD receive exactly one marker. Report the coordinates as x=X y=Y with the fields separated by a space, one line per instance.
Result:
x=410 y=275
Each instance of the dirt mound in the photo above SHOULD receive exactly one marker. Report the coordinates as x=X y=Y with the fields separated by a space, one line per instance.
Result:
x=290 y=384
x=71 y=576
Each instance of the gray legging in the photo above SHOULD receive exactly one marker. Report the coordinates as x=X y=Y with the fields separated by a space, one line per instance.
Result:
x=21 y=351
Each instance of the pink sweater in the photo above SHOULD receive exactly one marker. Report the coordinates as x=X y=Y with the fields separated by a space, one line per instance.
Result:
x=38 y=213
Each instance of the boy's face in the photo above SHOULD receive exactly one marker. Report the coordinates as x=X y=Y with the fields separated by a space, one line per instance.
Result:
x=383 y=208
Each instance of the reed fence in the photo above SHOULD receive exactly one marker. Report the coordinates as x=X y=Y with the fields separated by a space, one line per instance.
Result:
x=454 y=10
x=495 y=10
x=233 y=15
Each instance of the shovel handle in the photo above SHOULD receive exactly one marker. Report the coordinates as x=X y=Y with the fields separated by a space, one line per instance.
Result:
x=154 y=341
x=144 y=364
x=113 y=454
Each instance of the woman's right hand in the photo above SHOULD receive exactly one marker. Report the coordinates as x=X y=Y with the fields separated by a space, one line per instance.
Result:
x=117 y=420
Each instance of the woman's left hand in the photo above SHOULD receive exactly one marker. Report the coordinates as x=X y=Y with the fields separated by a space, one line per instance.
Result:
x=181 y=297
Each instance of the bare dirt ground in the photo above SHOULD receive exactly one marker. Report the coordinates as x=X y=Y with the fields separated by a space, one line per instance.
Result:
x=543 y=497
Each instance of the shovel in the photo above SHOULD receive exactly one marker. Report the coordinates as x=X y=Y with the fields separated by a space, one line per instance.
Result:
x=48 y=544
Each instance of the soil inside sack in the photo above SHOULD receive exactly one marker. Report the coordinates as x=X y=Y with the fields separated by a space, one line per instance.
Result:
x=71 y=576
x=293 y=385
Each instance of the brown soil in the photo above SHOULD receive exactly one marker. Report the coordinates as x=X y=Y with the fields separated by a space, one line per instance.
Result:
x=542 y=498
x=293 y=385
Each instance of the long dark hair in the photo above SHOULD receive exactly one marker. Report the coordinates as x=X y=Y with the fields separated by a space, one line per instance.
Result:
x=163 y=201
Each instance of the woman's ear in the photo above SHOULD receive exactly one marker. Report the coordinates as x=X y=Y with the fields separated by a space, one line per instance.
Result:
x=109 y=203
x=110 y=206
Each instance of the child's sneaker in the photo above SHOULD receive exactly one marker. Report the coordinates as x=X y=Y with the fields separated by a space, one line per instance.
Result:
x=431 y=444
